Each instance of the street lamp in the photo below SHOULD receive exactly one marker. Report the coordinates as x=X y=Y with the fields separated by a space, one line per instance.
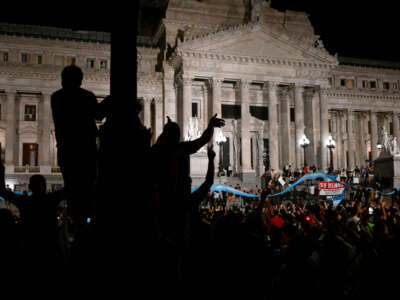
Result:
x=304 y=142
x=219 y=139
x=331 y=144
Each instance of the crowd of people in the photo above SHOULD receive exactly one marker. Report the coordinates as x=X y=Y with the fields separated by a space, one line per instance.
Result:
x=298 y=244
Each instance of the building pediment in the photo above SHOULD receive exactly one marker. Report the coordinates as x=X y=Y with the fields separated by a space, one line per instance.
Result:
x=259 y=40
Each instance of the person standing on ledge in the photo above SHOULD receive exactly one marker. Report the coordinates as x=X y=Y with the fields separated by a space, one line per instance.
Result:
x=75 y=111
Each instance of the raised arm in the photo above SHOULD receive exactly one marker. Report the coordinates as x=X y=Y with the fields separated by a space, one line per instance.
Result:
x=195 y=145
x=6 y=194
x=198 y=195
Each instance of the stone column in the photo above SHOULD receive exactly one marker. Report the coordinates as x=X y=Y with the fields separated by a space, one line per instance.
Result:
x=299 y=123
x=245 y=130
x=335 y=135
x=285 y=128
x=147 y=112
x=316 y=129
x=158 y=117
x=10 y=157
x=215 y=107
x=186 y=105
x=396 y=127
x=205 y=105
x=44 y=148
x=273 y=126
x=324 y=133
x=170 y=98
x=350 y=139
x=386 y=119
x=374 y=135
x=339 y=141
x=363 y=135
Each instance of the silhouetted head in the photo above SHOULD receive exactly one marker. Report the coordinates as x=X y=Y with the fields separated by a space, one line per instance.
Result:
x=37 y=184
x=71 y=77
x=171 y=133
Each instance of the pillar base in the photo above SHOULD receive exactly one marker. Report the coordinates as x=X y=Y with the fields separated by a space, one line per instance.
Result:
x=249 y=179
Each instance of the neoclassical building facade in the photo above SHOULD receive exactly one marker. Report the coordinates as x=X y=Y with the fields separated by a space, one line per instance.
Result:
x=264 y=71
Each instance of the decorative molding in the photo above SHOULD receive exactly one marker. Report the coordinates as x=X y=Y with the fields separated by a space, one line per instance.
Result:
x=300 y=65
x=16 y=41
x=340 y=94
x=375 y=71
x=28 y=130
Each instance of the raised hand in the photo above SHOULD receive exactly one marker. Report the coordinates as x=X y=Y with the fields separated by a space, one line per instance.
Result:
x=216 y=122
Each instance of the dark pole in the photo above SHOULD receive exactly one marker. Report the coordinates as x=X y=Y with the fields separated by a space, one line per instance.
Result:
x=330 y=157
x=123 y=147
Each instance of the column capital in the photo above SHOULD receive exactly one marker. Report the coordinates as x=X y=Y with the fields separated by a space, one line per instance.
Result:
x=215 y=82
x=146 y=99
x=10 y=92
x=271 y=84
x=298 y=86
x=46 y=96
x=363 y=114
x=187 y=81
x=350 y=112
x=158 y=100
x=323 y=90
x=244 y=83
x=284 y=91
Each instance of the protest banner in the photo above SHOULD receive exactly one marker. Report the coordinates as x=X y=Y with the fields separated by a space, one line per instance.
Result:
x=330 y=188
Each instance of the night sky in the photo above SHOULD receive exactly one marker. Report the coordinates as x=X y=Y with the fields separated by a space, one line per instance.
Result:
x=350 y=28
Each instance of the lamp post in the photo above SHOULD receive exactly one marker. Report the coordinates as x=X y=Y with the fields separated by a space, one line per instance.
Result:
x=304 y=142
x=219 y=139
x=331 y=145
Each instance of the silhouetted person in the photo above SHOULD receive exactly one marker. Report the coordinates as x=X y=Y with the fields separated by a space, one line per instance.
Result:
x=172 y=182
x=75 y=111
x=38 y=213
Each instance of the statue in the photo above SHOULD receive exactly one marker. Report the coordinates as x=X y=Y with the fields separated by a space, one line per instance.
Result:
x=395 y=146
x=257 y=7
x=385 y=139
x=193 y=132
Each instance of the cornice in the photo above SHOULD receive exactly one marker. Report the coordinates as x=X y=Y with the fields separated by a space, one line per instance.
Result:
x=365 y=70
x=301 y=64
x=342 y=94
x=48 y=73
x=184 y=24
x=52 y=43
